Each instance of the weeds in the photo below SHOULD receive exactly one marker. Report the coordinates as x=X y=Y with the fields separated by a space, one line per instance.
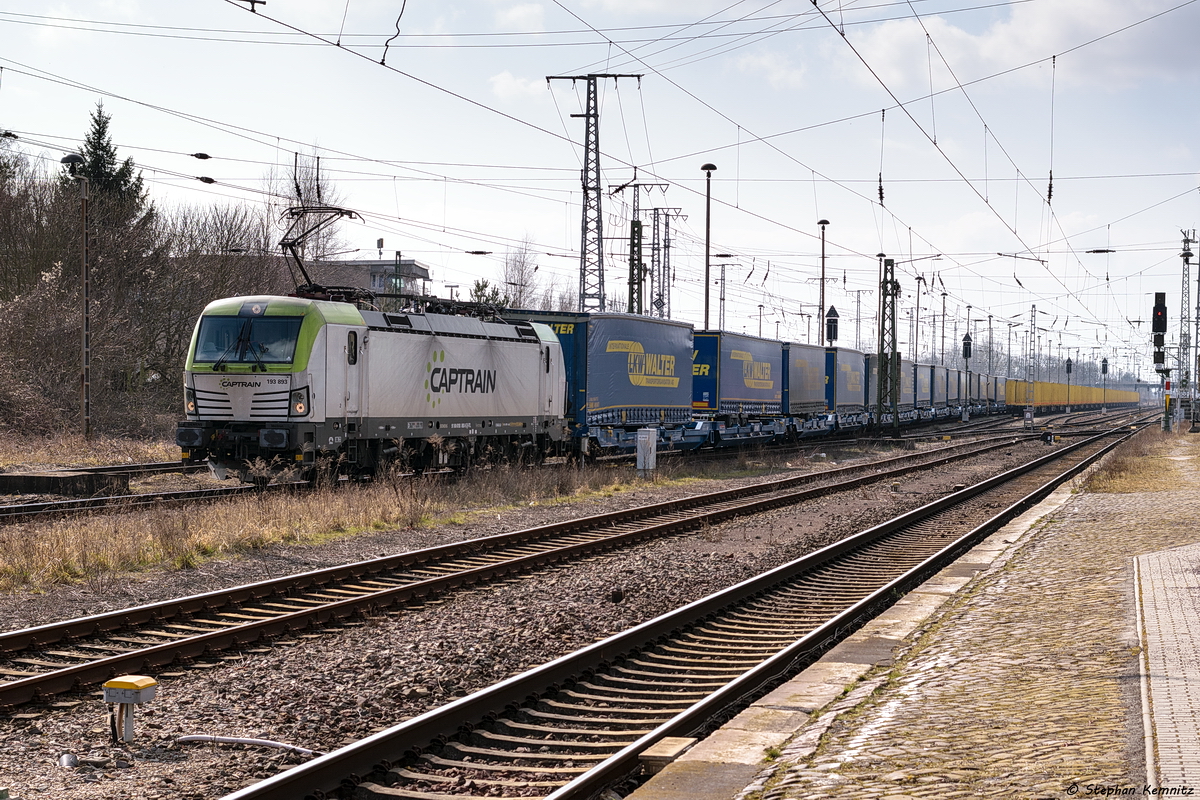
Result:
x=1140 y=464
x=73 y=450
x=91 y=550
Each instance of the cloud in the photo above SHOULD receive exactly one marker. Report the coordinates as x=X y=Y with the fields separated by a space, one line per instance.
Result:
x=509 y=87
x=777 y=68
x=900 y=54
x=523 y=17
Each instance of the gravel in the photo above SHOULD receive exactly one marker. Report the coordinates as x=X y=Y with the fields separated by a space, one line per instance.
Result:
x=321 y=691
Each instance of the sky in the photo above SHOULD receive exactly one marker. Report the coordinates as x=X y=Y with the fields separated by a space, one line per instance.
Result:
x=1009 y=139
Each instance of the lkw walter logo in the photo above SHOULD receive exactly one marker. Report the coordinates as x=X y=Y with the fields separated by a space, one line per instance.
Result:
x=646 y=369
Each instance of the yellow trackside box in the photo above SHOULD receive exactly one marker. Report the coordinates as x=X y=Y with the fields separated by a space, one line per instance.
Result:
x=130 y=689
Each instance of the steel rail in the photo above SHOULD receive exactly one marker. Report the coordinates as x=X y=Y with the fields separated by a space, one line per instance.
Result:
x=755 y=680
x=326 y=776
x=673 y=517
x=148 y=468
x=9 y=513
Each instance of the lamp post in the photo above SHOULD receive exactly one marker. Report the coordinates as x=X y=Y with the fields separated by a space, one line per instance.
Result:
x=1011 y=325
x=821 y=305
x=708 y=170
x=917 y=316
x=73 y=162
x=990 y=371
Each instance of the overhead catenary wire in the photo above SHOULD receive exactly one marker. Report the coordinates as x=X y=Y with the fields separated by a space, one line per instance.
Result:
x=891 y=177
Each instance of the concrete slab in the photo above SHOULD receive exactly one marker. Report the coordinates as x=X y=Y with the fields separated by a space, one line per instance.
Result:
x=734 y=746
x=768 y=719
x=814 y=688
x=698 y=780
x=1169 y=610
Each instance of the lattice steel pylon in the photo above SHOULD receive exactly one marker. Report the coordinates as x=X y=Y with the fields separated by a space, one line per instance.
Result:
x=1185 y=332
x=1031 y=365
x=887 y=377
x=660 y=261
x=591 y=245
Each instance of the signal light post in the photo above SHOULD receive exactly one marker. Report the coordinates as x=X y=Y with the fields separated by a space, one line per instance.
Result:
x=966 y=353
x=1158 y=328
x=1104 y=385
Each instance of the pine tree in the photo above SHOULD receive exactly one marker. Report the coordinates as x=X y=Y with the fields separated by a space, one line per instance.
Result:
x=108 y=177
x=484 y=292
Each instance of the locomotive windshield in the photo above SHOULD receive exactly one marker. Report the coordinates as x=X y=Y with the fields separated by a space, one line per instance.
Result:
x=247 y=340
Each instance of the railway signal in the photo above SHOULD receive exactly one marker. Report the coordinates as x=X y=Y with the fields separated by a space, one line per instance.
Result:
x=1158 y=322
x=1104 y=386
x=1158 y=327
x=831 y=326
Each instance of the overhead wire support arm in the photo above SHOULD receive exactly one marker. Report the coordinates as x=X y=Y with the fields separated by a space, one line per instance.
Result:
x=637 y=268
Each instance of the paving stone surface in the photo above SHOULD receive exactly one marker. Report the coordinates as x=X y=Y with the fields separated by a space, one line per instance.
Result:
x=1026 y=684
x=1170 y=608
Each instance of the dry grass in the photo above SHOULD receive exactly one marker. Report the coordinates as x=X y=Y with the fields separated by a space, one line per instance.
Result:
x=1147 y=463
x=93 y=549
x=60 y=450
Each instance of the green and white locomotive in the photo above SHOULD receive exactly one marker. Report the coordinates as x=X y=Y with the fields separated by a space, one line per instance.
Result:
x=285 y=383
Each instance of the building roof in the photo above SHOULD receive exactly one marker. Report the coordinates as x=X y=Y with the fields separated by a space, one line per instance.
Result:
x=378 y=275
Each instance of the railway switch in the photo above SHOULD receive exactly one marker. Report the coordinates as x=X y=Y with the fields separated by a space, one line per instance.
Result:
x=126 y=692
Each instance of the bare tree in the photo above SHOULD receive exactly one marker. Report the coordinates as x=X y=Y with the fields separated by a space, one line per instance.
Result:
x=520 y=275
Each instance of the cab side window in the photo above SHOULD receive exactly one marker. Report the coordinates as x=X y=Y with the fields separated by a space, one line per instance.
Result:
x=352 y=347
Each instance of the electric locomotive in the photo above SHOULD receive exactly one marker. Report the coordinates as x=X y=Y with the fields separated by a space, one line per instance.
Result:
x=285 y=383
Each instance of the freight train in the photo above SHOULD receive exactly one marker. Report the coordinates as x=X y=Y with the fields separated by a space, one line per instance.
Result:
x=276 y=384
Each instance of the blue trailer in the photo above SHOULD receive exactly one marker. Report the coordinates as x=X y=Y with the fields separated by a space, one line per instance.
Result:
x=906 y=395
x=846 y=388
x=924 y=391
x=624 y=372
x=941 y=408
x=807 y=394
x=737 y=387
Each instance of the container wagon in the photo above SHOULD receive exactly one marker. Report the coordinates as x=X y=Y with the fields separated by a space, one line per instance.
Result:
x=737 y=387
x=624 y=372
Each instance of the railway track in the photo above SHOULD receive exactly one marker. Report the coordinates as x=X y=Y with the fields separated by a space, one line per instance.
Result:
x=149 y=468
x=571 y=728
x=48 y=508
x=127 y=502
x=52 y=659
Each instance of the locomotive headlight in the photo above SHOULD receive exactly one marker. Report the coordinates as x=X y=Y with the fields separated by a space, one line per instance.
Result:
x=189 y=400
x=298 y=407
